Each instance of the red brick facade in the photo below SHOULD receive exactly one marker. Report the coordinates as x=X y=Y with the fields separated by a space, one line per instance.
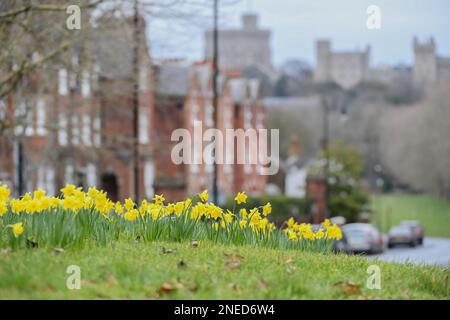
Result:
x=78 y=128
x=316 y=190
x=193 y=108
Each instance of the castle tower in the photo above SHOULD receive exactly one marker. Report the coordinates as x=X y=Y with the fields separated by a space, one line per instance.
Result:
x=322 y=70
x=250 y=22
x=424 y=69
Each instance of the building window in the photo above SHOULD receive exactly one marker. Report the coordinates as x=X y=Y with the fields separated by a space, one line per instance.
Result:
x=62 y=129
x=209 y=115
x=143 y=126
x=86 y=130
x=85 y=85
x=97 y=132
x=75 y=130
x=91 y=175
x=40 y=118
x=69 y=173
x=62 y=82
x=46 y=179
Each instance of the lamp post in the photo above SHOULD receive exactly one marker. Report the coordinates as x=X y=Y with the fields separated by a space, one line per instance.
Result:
x=326 y=104
x=215 y=68
x=136 y=36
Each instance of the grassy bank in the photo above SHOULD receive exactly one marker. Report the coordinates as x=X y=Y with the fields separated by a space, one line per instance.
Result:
x=433 y=213
x=209 y=271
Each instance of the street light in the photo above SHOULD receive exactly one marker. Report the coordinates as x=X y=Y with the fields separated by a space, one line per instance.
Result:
x=136 y=36
x=215 y=93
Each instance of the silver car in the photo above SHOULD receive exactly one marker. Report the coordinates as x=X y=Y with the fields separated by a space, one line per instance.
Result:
x=402 y=235
x=362 y=238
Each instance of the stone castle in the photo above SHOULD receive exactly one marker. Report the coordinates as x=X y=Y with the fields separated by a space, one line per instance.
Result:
x=240 y=48
x=344 y=68
x=428 y=66
x=350 y=68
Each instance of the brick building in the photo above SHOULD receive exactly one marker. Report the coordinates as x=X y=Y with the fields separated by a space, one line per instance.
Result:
x=74 y=124
x=184 y=99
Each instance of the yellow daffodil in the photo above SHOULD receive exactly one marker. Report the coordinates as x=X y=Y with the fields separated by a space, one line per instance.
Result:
x=179 y=207
x=241 y=197
x=204 y=196
x=334 y=232
x=267 y=209
x=228 y=216
x=3 y=208
x=38 y=194
x=158 y=199
x=131 y=215
x=129 y=204
x=92 y=192
x=319 y=234
x=17 y=229
x=292 y=235
x=68 y=190
x=4 y=192
x=187 y=203
x=195 y=213
x=170 y=208
x=118 y=208
x=216 y=213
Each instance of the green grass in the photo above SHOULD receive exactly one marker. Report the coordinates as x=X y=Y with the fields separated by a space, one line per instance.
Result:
x=138 y=270
x=433 y=213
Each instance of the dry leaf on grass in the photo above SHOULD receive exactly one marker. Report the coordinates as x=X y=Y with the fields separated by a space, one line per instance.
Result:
x=289 y=259
x=232 y=265
x=194 y=243
x=233 y=261
x=234 y=287
x=167 y=287
x=349 y=288
x=166 y=251
x=233 y=256
x=263 y=284
x=58 y=250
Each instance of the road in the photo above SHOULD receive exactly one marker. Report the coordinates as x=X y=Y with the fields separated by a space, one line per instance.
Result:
x=433 y=251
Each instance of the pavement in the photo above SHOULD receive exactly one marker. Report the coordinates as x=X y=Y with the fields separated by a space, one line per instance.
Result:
x=434 y=251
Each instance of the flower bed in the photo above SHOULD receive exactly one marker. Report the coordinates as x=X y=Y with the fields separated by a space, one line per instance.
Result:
x=78 y=218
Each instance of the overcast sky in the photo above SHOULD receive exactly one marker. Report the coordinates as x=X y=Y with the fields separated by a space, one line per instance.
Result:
x=296 y=24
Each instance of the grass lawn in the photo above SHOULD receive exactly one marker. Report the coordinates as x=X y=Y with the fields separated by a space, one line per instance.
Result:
x=433 y=213
x=143 y=271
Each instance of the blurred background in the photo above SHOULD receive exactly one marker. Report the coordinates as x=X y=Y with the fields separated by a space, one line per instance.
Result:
x=363 y=113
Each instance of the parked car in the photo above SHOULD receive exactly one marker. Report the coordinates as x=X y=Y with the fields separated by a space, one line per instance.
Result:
x=362 y=238
x=419 y=231
x=402 y=235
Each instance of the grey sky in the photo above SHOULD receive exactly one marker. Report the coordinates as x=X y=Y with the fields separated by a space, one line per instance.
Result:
x=296 y=24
